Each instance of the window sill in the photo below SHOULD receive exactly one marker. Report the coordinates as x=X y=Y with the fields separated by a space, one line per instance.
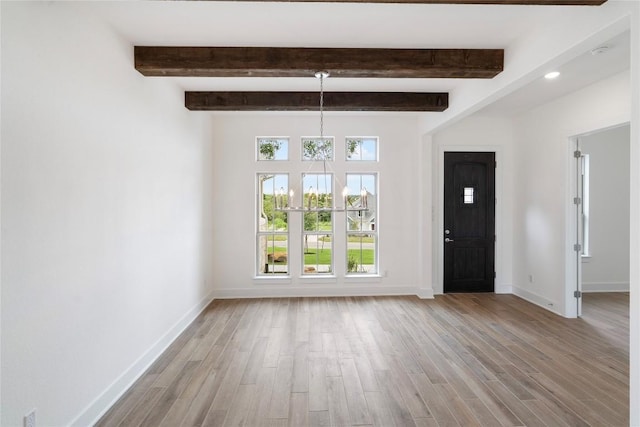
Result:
x=318 y=276
x=312 y=278
x=363 y=276
x=282 y=278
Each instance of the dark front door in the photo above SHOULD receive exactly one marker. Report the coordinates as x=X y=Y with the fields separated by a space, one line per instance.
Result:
x=469 y=222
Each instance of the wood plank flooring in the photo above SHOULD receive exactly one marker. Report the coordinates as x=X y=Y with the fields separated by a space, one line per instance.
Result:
x=457 y=360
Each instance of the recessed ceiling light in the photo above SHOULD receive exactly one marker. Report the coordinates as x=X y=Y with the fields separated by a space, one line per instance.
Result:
x=599 y=50
x=552 y=75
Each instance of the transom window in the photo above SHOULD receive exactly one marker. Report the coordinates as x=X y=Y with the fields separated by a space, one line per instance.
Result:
x=316 y=149
x=362 y=149
x=273 y=148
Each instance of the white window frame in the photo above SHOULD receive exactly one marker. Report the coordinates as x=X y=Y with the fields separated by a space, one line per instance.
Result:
x=295 y=168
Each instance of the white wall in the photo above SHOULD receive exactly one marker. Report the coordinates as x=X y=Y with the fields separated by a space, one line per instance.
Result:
x=235 y=172
x=0 y=224
x=105 y=218
x=478 y=133
x=542 y=156
x=607 y=267
x=569 y=32
x=634 y=282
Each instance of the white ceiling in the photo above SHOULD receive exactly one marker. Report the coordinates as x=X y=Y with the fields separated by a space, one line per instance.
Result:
x=290 y=24
x=581 y=71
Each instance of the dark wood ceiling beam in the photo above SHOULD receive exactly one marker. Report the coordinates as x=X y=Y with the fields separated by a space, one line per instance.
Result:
x=495 y=2
x=506 y=2
x=310 y=101
x=305 y=62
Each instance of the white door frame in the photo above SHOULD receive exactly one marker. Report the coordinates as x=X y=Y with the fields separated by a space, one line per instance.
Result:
x=573 y=263
x=573 y=268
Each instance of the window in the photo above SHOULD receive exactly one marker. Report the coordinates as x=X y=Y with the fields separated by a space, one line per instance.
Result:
x=316 y=149
x=467 y=196
x=317 y=231
x=273 y=226
x=307 y=185
x=273 y=229
x=362 y=149
x=585 y=205
x=362 y=232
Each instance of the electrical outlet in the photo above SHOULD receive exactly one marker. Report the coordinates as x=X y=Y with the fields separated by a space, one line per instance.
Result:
x=30 y=419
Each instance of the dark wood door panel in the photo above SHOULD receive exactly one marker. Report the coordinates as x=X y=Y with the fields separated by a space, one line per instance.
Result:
x=469 y=228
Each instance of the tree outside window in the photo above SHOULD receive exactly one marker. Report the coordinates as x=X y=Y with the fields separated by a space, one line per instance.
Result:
x=362 y=149
x=273 y=148
x=316 y=149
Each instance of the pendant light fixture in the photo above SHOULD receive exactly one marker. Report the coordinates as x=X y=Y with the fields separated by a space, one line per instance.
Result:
x=286 y=202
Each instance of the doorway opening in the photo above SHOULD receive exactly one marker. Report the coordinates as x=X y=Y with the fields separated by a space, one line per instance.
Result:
x=601 y=212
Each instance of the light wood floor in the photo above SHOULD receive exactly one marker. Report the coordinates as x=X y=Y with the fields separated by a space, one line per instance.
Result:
x=460 y=359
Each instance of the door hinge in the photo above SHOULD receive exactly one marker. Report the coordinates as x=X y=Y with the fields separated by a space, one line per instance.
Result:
x=577 y=247
x=577 y=154
x=577 y=200
x=577 y=294
x=494 y=275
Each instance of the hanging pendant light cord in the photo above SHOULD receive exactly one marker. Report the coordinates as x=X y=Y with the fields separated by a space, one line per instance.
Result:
x=321 y=106
x=322 y=141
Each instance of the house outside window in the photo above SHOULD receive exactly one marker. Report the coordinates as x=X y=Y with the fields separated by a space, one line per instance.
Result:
x=362 y=232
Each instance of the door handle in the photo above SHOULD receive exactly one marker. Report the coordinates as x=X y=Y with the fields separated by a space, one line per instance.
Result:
x=448 y=240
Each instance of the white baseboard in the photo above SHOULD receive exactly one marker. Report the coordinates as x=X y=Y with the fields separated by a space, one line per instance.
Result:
x=605 y=287
x=503 y=289
x=425 y=293
x=537 y=300
x=264 y=291
x=101 y=404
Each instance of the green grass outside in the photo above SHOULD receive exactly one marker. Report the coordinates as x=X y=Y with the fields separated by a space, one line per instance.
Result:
x=277 y=238
x=324 y=255
x=368 y=256
x=351 y=239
